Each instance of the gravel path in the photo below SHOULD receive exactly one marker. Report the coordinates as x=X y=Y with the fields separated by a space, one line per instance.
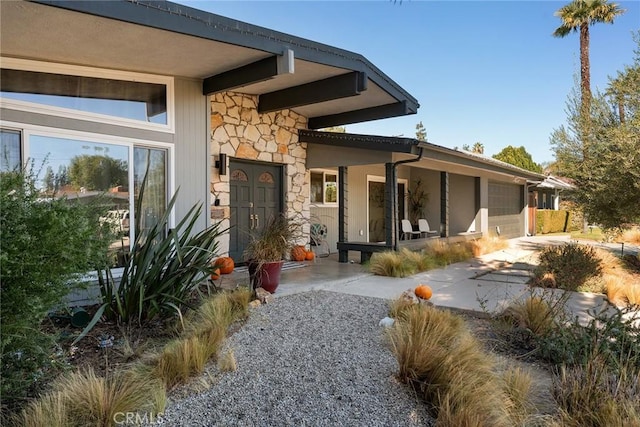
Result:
x=311 y=359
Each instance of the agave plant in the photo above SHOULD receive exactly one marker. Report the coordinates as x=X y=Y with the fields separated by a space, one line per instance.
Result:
x=164 y=269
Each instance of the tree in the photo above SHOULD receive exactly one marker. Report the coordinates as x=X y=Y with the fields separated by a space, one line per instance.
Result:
x=578 y=16
x=518 y=157
x=421 y=132
x=477 y=148
x=97 y=172
x=607 y=172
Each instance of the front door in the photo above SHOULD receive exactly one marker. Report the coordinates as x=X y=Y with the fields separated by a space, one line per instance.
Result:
x=255 y=196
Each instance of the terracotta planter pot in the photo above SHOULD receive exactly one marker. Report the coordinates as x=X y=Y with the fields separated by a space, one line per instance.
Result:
x=265 y=275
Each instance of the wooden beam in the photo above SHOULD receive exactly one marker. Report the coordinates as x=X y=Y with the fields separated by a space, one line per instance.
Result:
x=255 y=72
x=342 y=86
x=366 y=114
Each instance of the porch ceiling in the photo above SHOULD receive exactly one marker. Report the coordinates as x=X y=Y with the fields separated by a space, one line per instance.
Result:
x=170 y=39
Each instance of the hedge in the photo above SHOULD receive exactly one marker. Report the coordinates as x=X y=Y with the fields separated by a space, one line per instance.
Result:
x=548 y=221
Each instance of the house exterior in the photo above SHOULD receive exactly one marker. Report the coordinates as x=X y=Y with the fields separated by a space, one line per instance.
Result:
x=104 y=94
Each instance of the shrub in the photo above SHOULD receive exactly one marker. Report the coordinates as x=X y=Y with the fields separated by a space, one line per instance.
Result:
x=570 y=264
x=47 y=243
x=535 y=314
x=550 y=221
x=611 y=334
x=596 y=395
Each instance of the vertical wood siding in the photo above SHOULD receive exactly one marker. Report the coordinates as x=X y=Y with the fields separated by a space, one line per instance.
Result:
x=191 y=149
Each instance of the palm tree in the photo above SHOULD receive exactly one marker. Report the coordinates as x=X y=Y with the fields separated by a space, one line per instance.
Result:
x=578 y=16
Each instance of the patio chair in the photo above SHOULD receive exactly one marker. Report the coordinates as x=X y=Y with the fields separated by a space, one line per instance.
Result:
x=423 y=226
x=407 y=230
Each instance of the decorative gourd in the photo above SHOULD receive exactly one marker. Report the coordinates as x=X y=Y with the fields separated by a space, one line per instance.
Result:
x=298 y=253
x=225 y=264
x=310 y=256
x=215 y=274
x=423 y=291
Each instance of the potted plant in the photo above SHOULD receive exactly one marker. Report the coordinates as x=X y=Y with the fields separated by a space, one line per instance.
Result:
x=418 y=199
x=267 y=250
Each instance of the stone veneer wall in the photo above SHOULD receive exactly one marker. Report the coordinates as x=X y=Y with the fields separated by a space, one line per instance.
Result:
x=238 y=130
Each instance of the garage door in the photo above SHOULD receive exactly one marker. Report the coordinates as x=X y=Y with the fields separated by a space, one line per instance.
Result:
x=506 y=209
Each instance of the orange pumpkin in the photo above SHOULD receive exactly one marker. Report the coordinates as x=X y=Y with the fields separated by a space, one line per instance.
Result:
x=225 y=264
x=310 y=256
x=298 y=253
x=215 y=274
x=423 y=291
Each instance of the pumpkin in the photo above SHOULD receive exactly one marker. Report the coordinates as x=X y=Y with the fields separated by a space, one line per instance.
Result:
x=310 y=256
x=423 y=291
x=298 y=253
x=215 y=274
x=225 y=264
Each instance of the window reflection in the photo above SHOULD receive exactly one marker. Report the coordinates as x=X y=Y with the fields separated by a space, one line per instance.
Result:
x=9 y=150
x=150 y=163
x=131 y=100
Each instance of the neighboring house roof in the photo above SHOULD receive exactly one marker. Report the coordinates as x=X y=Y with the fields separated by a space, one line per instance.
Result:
x=555 y=183
x=413 y=146
x=330 y=86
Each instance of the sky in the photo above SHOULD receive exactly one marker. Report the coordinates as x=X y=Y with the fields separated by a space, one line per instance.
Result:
x=482 y=71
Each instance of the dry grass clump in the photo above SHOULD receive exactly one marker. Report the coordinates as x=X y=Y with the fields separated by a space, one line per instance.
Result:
x=593 y=394
x=205 y=331
x=390 y=264
x=535 y=314
x=439 y=357
x=487 y=245
x=83 y=398
x=445 y=254
x=630 y=236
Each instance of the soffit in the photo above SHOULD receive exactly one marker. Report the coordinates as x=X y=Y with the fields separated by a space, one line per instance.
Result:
x=53 y=34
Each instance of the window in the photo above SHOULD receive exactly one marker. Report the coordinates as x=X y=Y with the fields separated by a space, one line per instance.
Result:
x=10 y=158
x=324 y=187
x=93 y=170
x=113 y=97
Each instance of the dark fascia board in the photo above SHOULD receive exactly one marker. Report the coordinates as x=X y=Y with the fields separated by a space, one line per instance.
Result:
x=342 y=86
x=437 y=152
x=177 y=18
x=365 y=142
x=359 y=116
x=255 y=72
x=412 y=146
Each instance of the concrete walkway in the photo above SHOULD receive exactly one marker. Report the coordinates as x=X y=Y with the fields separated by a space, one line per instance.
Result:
x=481 y=285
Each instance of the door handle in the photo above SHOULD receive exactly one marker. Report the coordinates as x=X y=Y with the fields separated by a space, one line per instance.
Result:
x=251 y=218
x=257 y=221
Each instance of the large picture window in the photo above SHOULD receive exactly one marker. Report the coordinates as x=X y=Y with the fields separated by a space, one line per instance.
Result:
x=103 y=172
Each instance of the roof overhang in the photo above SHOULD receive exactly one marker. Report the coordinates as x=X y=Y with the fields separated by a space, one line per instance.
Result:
x=411 y=147
x=330 y=86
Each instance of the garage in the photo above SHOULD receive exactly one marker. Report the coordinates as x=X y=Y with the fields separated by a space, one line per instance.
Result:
x=506 y=209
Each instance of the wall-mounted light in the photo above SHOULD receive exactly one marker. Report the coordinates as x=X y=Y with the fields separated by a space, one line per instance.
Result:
x=221 y=164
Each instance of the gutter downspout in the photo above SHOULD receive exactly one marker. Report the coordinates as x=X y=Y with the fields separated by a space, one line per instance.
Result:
x=395 y=185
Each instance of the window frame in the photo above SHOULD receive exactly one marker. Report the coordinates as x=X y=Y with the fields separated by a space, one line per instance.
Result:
x=324 y=173
x=75 y=70
x=29 y=130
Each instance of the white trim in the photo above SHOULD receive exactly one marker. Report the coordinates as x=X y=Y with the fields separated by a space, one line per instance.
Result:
x=74 y=70
x=28 y=130
x=324 y=172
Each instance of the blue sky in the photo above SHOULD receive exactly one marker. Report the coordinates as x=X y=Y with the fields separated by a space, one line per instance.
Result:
x=482 y=71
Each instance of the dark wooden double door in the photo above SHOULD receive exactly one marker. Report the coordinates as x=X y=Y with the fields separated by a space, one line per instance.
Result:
x=256 y=191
